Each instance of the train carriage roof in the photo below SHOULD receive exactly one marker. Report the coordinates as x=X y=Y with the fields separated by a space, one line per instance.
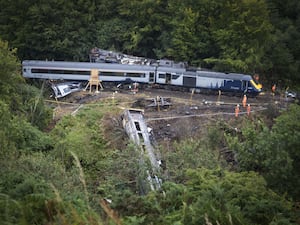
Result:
x=210 y=74
x=170 y=69
x=85 y=65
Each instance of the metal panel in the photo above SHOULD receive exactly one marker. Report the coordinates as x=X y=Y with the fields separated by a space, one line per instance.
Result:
x=189 y=81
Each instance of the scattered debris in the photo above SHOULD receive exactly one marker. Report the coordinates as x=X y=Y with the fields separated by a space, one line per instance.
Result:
x=290 y=94
x=63 y=89
x=159 y=101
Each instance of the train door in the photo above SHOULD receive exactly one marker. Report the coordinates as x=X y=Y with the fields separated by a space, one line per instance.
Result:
x=168 y=78
x=189 y=81
x=164 y=78
x=161 y=77
x=151 y=78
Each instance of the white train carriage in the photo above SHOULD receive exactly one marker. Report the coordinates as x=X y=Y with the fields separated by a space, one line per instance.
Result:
x=147 y=74
x=169 y=75
x=80 y=71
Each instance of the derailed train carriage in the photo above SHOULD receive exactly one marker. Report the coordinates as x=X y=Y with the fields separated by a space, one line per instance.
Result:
x=173 y=77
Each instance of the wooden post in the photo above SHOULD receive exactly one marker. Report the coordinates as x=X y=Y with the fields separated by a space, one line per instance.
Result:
x=191 y=98
x=158 y=102
x=219 y=97
x=237 y=110
x=113 y=98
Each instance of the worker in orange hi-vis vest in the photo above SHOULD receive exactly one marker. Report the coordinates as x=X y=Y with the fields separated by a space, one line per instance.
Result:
x=237 y=110
x=135 y=88
x=256 y=78
x=248 y=109
x=273 y=89
x=244 y=101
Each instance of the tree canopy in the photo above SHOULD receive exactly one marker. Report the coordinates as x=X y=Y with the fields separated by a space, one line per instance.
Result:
x=271 y=152
x=248 y=36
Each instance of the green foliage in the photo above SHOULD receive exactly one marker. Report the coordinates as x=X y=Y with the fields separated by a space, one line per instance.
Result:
x=242 y=33
x=215 y=135
x=286 y=133
x=191 y=35
x=231 y=198
x=107 y=170
x=215 y=196
x=9 y=76
x=148 y=27
x=284 y=54
x=27 y=137
x=189 y=154
x=111 y=34
x=23 y=193
x=19 y=135
x=81 y=135
x=36 y=190
x=6 y=144
x=23 y=100
x=64 y=186
x=33 y=106
x=273 y=153
x=34 y=186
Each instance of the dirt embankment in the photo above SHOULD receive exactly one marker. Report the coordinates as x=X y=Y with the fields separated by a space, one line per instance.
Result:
x=172 y=115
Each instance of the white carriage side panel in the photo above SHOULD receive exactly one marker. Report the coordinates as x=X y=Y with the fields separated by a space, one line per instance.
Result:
x=81 y=71
x=168 y=75
x=117 y=76
x=160 y=77
x=177 y=79
x=169 y=78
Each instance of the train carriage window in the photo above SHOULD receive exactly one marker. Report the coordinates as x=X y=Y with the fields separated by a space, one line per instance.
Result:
x=38 y=70
x=161 y=76
x=168 y=78
x=175 y=76
x=151 y=77
x=135 y=75
x=119 y=74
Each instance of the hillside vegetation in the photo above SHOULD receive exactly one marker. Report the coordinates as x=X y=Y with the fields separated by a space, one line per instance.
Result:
x=83 y=169
x=65 y=175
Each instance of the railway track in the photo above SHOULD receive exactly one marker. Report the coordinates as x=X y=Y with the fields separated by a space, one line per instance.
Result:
x=215 y=105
